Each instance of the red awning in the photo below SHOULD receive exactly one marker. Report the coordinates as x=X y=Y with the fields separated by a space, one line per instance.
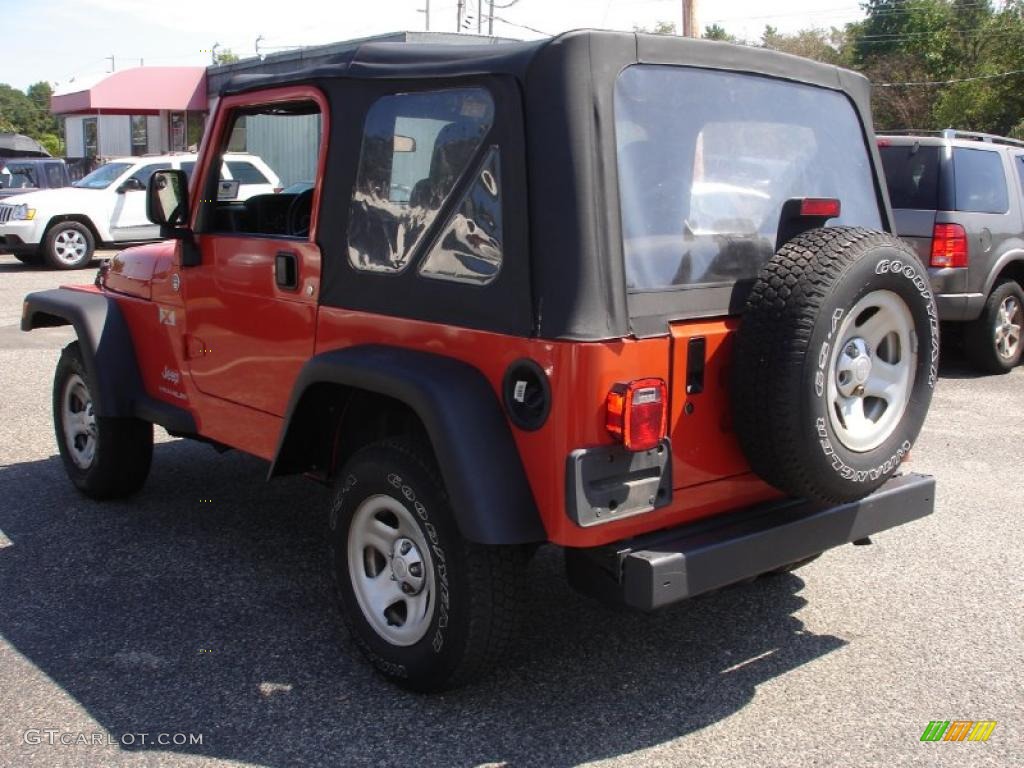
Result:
x=138 y=91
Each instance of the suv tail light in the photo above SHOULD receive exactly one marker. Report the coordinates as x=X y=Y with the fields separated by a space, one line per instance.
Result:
x=949 y=246
x=637 y=413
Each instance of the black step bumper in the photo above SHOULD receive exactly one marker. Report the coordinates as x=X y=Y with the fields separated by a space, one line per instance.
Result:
x=667 y=566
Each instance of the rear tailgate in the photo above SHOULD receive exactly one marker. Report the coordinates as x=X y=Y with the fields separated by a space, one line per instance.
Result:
x=707 y=460
x=916 y=227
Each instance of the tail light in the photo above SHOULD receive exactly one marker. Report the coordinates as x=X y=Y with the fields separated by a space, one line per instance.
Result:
x=824 y=207
x=637 y=413
x=949 y=246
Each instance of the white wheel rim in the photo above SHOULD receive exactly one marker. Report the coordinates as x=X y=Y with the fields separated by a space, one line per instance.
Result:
x=78 y=422
x=70 y=246
x=391 y=570
x=871 y=374
x=1008 y=322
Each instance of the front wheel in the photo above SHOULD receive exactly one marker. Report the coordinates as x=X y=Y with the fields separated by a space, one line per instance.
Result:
x=104 y=457
x=429 y=609
x=69 y=245
x=993 y=340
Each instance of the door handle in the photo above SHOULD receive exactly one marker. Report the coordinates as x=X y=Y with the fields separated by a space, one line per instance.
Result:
x=286 y=270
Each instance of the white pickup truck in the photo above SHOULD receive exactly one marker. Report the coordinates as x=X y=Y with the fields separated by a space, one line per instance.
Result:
x=64 y=226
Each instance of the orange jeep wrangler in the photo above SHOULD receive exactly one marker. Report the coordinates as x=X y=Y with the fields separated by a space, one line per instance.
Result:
x=631 y=295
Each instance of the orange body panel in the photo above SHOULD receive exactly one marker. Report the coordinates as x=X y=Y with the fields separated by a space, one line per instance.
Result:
x=222 y=341
x=710 y=475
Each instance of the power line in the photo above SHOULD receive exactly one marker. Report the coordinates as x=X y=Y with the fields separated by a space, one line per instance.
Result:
x=955 y=81
x=523 y=26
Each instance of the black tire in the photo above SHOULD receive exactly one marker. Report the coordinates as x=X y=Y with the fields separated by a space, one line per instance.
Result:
x=981 y=334
x=123 y=447
x=31 y=259
x=55 y=247
x=785 y=351
x=480 y=588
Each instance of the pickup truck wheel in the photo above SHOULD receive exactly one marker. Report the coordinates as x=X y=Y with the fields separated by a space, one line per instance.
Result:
x=993 y=340
x=429 y=609
x=104 y=457
x=68 y=245
x=835 y=361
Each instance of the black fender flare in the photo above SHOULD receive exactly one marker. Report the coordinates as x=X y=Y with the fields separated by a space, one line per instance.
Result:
x=108 y=353
x=468 y=431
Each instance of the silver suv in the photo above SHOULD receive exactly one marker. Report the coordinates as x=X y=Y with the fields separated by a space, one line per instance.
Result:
x=958 y=198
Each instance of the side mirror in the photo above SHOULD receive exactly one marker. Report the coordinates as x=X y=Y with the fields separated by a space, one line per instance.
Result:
x=167 y=198
x=130 y=184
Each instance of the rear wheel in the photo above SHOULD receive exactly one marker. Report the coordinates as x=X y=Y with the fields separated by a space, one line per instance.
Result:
x=994 y=339
x=104 y=457
x=429 y=609
x=69 y=245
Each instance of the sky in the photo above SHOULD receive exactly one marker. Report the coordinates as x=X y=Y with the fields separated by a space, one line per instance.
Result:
x=70 y=41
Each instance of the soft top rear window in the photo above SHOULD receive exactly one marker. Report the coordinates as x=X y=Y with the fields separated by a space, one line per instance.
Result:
x=912 y=173
x=707 y=159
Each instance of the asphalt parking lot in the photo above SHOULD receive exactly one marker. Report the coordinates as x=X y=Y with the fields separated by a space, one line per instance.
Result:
x=201 y=607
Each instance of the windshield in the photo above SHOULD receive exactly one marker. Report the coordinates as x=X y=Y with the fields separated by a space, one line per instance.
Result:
x=103 y=176
x=707 y=159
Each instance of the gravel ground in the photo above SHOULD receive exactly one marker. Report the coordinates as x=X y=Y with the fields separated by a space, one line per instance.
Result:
x=201 y=607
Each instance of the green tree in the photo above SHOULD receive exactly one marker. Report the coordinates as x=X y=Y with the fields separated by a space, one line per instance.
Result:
x=829 y=46
x=717 y=32
x=660 y=28
x=226 y=56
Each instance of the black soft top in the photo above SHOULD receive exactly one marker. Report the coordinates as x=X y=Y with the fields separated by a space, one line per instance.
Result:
x=567 y=83
x=402 y=60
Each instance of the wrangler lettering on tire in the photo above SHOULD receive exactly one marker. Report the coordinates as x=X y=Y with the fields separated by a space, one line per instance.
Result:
x=836 y=359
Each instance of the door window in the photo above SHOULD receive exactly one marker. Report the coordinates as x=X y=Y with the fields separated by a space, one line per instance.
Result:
x=416 y=147
x=285 y=141
x=146 y=171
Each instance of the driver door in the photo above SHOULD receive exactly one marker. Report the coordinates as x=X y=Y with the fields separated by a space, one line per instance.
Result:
x=250 y=306
x=129 y=221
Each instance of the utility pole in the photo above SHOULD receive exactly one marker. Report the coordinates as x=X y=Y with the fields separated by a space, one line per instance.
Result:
x=213 y=53
x=490 y=20
x=479 y=16
x=458 y=17
x=112 y=67
x=426 y=12
x=690 y=28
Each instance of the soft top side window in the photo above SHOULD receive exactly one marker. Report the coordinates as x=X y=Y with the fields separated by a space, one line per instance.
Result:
x=416 y=147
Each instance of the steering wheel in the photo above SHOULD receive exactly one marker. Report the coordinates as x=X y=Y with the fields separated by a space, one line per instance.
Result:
x=300 y=212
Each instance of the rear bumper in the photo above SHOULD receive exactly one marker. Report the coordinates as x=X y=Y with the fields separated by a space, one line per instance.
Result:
x=959 y=307
x=665 y=567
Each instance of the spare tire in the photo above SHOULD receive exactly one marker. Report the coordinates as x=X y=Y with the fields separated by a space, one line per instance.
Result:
x=835 y=361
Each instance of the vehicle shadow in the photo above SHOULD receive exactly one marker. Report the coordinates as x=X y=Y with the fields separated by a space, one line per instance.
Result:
x=202 y=606
x=13 y=266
